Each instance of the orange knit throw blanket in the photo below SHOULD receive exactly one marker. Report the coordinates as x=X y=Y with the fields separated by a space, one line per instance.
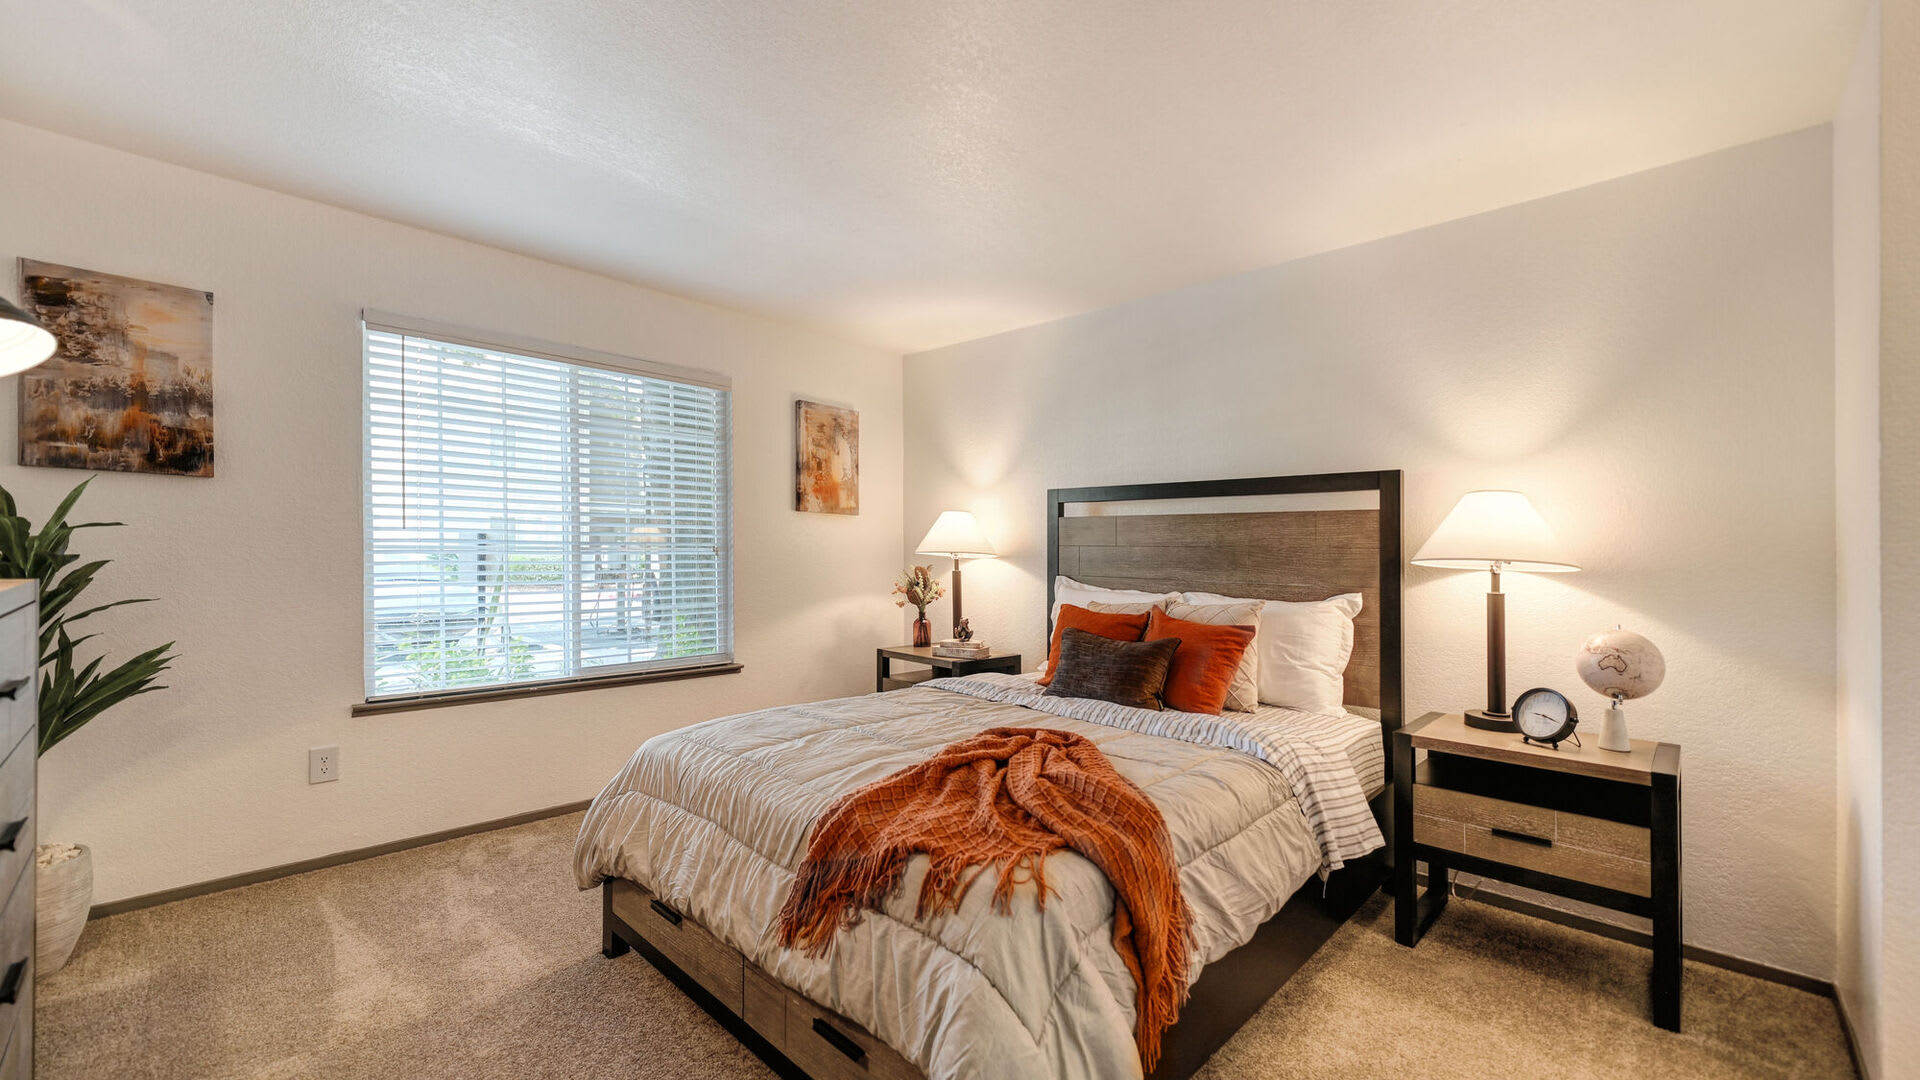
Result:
x=1007 y=797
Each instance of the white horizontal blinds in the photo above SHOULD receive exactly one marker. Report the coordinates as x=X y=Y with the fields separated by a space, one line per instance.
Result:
x=531 y=519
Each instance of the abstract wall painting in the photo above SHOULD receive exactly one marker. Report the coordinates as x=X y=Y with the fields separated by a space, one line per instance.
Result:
x=826 y=459
x=131 y=388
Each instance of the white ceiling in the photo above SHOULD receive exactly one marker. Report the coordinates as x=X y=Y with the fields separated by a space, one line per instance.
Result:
x=914 y=174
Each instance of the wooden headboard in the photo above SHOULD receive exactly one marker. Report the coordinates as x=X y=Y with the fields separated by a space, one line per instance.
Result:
x=1272 y=554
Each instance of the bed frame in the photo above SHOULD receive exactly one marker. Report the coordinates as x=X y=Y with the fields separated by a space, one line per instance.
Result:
x=1115 y=539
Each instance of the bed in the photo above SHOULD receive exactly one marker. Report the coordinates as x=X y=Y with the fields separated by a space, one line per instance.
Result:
x=1276 y=818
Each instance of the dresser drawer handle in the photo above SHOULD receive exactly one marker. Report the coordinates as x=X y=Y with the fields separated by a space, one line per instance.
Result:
x=664 y=912
x=1509 y=834
x=838 y=1040
x=12 y=687
x=10 y=986
x=11 y=833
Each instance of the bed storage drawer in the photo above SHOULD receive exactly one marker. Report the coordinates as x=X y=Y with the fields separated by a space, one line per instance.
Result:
x=705 y=958
x=766 y=1006
x=823 y=1043
x=1610 y=854
x=830 y=1047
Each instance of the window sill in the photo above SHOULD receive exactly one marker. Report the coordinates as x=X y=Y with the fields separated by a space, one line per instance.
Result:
x=508 y=693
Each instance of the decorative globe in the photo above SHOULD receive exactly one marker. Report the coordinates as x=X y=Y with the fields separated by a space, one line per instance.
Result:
x=1622 y=664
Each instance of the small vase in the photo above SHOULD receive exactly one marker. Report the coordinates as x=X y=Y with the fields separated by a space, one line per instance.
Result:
x=922 y=631
x=63 y=895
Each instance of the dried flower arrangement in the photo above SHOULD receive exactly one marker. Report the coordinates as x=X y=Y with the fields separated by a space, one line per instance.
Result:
x=918 y=587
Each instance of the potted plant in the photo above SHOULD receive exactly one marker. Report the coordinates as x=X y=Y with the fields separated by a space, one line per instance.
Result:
x=918 y=586
x=69 y=696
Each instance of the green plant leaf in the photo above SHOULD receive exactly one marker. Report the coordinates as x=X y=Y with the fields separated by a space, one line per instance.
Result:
x=78 y=615
x=70 y=697
x=59 y=515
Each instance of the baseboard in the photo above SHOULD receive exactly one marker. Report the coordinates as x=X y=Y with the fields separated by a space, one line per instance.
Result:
x=1631 y=936
x=1853 y=1040
x=254 y=877
x=1808 y=983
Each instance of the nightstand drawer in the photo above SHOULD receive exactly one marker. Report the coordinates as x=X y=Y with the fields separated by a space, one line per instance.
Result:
x=1572 y=846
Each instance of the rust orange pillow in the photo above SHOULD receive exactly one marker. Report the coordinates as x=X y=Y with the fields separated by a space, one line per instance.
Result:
x=1119 y=627
x=1204 y=667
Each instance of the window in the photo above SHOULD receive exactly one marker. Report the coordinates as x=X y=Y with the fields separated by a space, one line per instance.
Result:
x=537 y=515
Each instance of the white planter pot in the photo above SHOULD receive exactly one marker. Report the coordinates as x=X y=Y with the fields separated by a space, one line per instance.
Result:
x=63 y=892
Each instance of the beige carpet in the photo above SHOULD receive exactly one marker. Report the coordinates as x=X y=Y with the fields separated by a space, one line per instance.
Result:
x=477 y=958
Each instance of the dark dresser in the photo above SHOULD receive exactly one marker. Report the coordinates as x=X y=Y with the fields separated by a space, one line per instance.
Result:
x=19 y=755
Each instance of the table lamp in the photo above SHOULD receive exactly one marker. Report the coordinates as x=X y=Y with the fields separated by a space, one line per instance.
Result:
x=956 y=535
x=1494 y=531
x=23 y=342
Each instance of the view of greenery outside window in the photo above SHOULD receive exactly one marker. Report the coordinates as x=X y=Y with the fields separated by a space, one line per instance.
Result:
x=531 y=519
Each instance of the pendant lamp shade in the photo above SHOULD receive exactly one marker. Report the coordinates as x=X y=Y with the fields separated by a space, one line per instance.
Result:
x=24 y=343
x=955 y=533
x=1486 y=529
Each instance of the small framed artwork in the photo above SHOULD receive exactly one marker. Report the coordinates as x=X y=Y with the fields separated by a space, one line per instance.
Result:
x=826 y=459
x=131 y=387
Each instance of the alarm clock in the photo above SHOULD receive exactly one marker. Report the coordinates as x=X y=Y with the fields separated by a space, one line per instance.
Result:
x=1545 y=716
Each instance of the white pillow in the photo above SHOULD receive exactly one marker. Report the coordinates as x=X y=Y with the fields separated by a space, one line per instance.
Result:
x=1304 y=648
x=1068 y=591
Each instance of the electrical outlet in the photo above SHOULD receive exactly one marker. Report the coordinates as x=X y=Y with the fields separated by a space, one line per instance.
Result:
x=323 y=764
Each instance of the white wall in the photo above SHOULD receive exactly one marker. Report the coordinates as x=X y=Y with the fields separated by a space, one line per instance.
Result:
x=1649 y=358
x=1900 y=531
x=259 y=568
x=1856 y=349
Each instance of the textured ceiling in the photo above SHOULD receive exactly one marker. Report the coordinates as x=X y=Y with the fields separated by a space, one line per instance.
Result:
x=913 y=174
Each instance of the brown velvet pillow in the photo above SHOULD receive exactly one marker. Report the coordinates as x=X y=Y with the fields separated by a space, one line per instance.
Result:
x=1123 y=672
x=1119 y=627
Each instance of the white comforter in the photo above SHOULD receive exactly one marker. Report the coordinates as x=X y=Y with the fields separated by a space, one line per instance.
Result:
x=714 y=819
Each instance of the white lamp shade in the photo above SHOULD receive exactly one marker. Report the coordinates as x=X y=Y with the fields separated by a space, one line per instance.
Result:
x=23 y=343
x=955 y=533
x=1489 y=527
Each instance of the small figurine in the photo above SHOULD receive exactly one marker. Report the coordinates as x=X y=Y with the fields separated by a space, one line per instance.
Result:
x=964 y=631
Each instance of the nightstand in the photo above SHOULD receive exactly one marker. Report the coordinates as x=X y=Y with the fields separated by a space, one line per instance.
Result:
x=943 y=666
x=1581 y=822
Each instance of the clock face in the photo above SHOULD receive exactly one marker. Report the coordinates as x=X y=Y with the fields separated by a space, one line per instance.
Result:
x=1542 y=714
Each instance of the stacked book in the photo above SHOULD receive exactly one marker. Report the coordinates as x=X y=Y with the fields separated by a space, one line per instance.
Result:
x=961 y=650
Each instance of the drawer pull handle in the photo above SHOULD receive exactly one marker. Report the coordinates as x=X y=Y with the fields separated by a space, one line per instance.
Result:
x=1509 y=834
x=10 y=986
x=838 y=1040
x=11 y=834
x=664 y=912
x=12 y=687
